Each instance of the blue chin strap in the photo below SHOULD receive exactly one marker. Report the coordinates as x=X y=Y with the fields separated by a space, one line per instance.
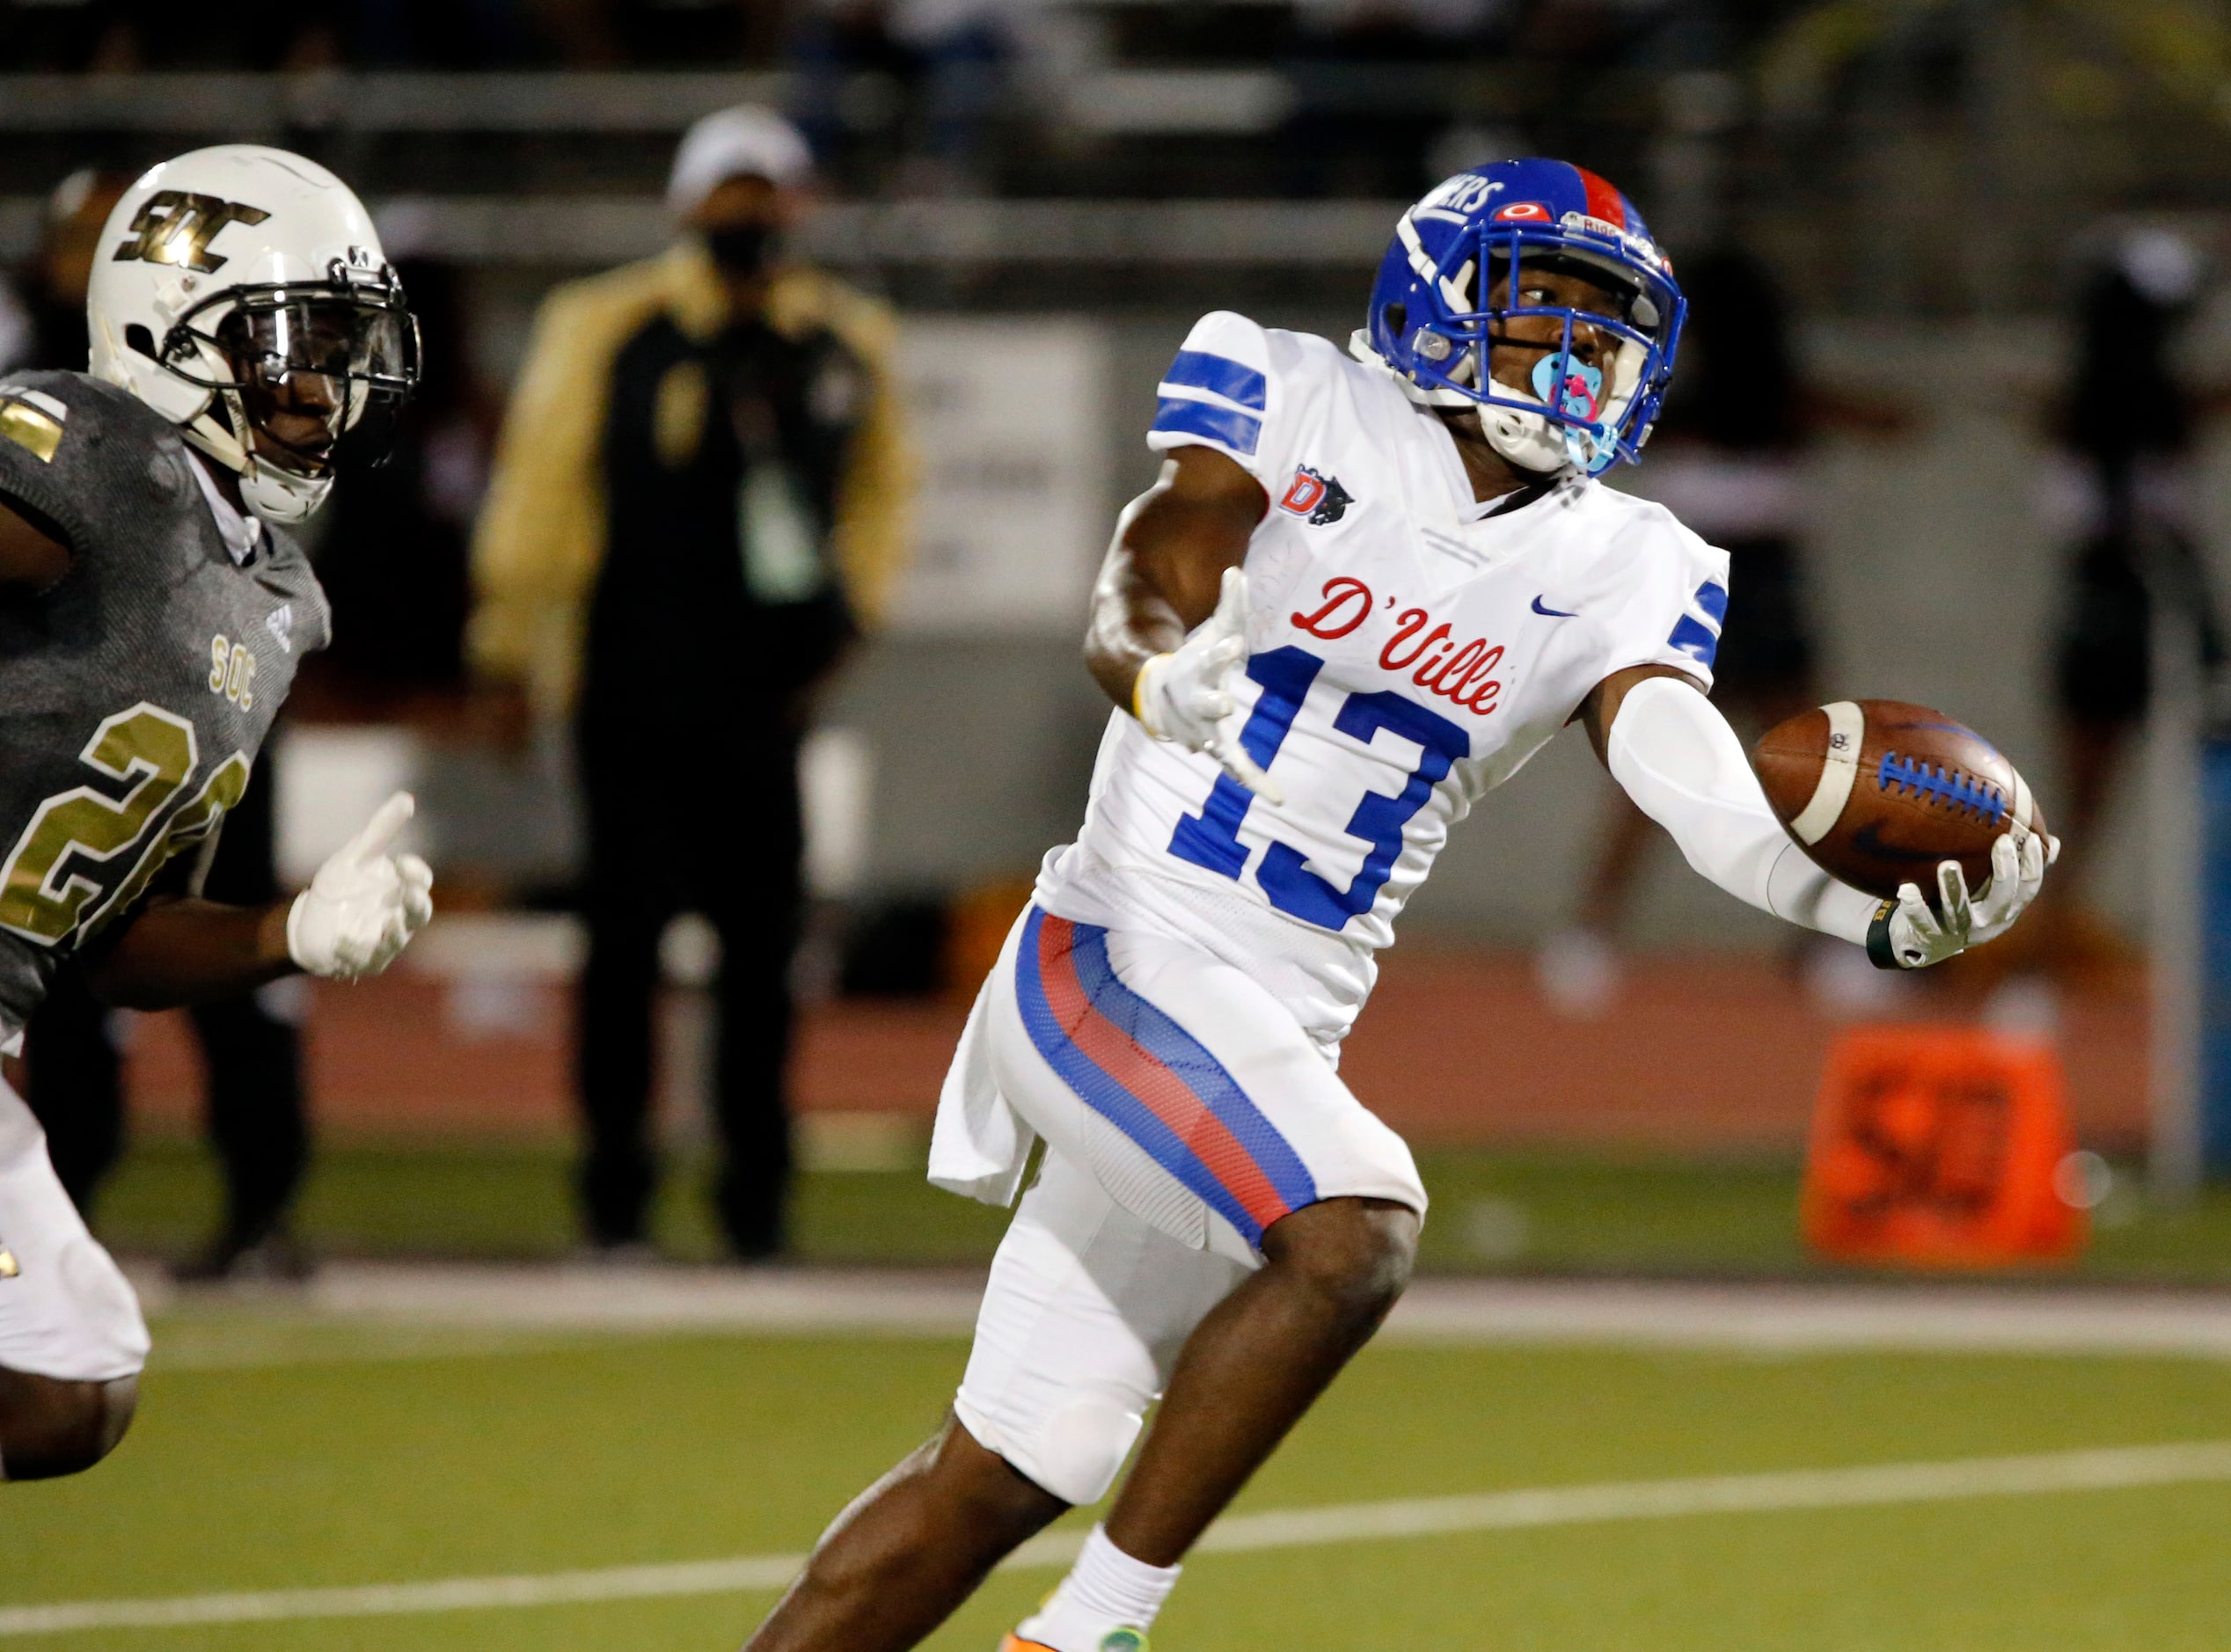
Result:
x=1572 y=388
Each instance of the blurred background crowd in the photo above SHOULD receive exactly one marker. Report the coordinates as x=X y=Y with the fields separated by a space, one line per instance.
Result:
x=1947 y=397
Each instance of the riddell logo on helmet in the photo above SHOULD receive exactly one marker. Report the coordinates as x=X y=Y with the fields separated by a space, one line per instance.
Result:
x=1641 y=248
x=175 y=227
x=1582 y=222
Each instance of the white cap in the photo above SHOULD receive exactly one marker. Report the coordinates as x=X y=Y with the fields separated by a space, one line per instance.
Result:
x=745 y=142
x=2161 y=264
x=71 y=194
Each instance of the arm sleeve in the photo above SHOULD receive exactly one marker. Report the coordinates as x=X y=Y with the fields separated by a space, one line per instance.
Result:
x=1677 y=757
x=1221 y=392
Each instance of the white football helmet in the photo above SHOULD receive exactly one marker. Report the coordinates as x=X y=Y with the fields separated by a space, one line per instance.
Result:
x=241 y=292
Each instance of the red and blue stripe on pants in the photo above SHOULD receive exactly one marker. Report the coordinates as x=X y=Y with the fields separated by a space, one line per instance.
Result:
x=1150 y=1078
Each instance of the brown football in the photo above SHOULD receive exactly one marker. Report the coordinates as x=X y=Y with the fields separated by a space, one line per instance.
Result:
x=1877 y=791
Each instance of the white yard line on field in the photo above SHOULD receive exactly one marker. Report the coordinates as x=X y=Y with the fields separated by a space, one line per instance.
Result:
x=390 y=1302
x=1823 y=1317
x=1875 y=1486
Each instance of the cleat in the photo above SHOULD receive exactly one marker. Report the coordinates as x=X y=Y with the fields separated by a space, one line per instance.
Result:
x=1114 y=1640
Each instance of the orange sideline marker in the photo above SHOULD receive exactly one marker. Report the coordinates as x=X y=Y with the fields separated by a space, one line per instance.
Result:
x=1936 y=1147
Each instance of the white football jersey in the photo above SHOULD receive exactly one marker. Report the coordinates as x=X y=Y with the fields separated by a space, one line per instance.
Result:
x=1409 y=649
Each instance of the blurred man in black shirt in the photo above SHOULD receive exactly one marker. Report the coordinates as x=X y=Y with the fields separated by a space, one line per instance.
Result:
x=2128 y=421
x=700 y=498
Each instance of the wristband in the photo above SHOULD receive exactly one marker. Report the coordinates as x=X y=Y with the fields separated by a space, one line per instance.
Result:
x=1139 y=693
x=1879 y=952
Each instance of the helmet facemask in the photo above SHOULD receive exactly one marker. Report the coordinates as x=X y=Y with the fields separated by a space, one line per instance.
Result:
x=1565 y=373
x=297 y=371
x=1579 y=366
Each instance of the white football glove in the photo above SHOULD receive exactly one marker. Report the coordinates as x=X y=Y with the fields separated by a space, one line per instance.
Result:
x=1915 y=937
x=1184 y=697
x=364 y=904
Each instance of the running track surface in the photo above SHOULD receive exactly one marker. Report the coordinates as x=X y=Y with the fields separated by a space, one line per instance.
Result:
x=417 y=1053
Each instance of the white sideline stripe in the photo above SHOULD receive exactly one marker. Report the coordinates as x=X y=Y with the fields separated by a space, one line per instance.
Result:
x=1868 y=1486
x=1788 y=1319
x=1874 y=1485
x=389 y=1303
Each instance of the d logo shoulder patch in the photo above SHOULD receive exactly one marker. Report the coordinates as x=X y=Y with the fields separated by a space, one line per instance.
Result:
x=1316 y=496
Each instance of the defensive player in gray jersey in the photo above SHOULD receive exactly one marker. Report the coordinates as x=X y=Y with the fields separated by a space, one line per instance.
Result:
x=243 y=322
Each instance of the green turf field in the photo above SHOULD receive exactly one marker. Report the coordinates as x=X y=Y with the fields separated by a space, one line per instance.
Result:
x=1493 y=1211
x=324 y=1459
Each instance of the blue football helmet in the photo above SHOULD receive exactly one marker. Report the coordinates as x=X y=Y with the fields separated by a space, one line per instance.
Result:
x=1443 y=297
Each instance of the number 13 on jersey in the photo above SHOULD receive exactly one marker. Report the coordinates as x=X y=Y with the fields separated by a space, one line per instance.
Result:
x=1210 y=839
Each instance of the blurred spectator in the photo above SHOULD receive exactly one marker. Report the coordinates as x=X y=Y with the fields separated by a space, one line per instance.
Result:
x=251 y=1047
x=49 y=318
x=946 y=64
x=394 y=560
x=1726 y=460
x=851 y=73
x=2127 y=427
x=701 y=495
x=1379 y=147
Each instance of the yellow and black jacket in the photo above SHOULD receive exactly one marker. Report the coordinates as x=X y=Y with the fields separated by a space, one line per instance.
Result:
x=547 y=527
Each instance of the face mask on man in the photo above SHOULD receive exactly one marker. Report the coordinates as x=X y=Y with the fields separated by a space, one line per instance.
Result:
x=742 y=249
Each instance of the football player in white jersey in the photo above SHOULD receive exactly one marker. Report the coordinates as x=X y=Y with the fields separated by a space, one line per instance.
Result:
x=1367 y=587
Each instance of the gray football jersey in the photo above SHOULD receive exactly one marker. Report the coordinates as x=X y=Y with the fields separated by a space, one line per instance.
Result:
x=135 y=694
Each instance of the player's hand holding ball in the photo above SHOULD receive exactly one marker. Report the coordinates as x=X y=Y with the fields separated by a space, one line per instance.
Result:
x=1185 y=696
x=1916 y=937
x=364 y=904
x=1892 y=799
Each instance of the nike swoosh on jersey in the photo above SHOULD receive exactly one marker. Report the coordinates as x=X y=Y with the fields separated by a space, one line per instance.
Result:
x=1553 y=613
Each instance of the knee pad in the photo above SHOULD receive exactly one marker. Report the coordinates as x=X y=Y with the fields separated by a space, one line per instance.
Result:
x=1082 y=1446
